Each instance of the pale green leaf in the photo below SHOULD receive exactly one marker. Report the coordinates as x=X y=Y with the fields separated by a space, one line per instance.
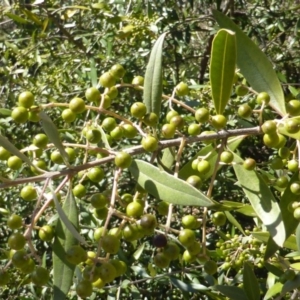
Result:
x=298 y=237
x=273 y=290
x=168 y=158
x=254 y=64
x=138 y=252
x=153 y=78
x=291 y=285
x=250 y=283
x=93 y=72
x=262 y=200
x=234 y=221
x=233 y=292
x=188 y=287
x=290 y=242
x=53 y=135
x=62 y=270
x=222 y=68
x=16 y=18
x=166 y=187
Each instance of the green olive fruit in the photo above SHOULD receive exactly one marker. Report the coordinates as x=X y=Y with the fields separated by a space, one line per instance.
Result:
x=195 y=164
x=271 y=140
x=101 y=213
x=189 y=222
x=186 y=237
x=293 y=165
x=195 y=181
x=115 y=231
x=249 y=164
x=77 y=105
x=120 y=266
x=218 y=121
x=106 y=101
x=76 y=255
x=182 y=89
x=20 y=258
x=134 y=209
x=195 y=248
x=159 y=241
x=56 y=157
x=161 y=260
x=171 y=114
x=99 y=200
x=187 y=257
x=14 y=221
x=129 y=131
x=14 y=162
x=277 y=163
x=71 y=154
x=168 y=131
x=29 y=267
x=16 y=241
x=293 y=205
x=263 y=97
x=91 y=257
x=19 y=114
x=291 y=126
x=296 y=214
x=28 y=193
x=46 y=233
x=40 y=276
x=226 y=157
x=109 y=124
x=295 y=188
x=210 y=267
x=149 y=143
x=93 y=135
x=150 y=119
x=99 y=283
x=284 y=152
x=90 y=273
x=4 y=154
x=112 y=93
x=107 y=272
x=40 y=140
x=123 y=160
x=117 y=71
x=148 y=223
x=110 y=244
x=194 y=129
x=4 y=277
x=92 y=94
x=131 y=232
x=139 y=81
x=26 y=99
x=95 y=174
x=38 y=164
x=245 y=111
x=172 y=251
x=219 y=218
x=269 y=127
x=117 y=133
x=293 y=107
x=241 y=90
x=163 y=208
x=138 y=110
x=202 y=115
x=98 y=233
x=203 y=167
x=178 y=121
x=79 y=190
x=282 y=182
x=126 y=199
x=107 y=80
x=34 y=114
x=84 y=288
x=68 y=115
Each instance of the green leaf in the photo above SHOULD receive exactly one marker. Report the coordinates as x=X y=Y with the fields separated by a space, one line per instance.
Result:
x=250 y=283
x=62 y=270
x=16 y=18
x=138 y=252
x=93 y=72
x=53 y=135
x=298 y=236
x=33 y=17
x=234 y=222
x=166 y=187
x=273 y=290
x=222 y=67
x=153 y=78
x=5 y=112
x=291 y=285
x=168 y=158
x=5 y=143
x=290 y=242
x=262 y=200
x=233 y=292
x=255 y=65
x=188 y=287
x=187 y=170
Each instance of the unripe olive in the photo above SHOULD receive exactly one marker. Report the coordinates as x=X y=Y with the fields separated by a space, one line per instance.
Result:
x=19 y=114
x=129 y=131
x=178 y=121
x=271 y=140
x=77 y=105
x=150 y=119
x=226 y=157
x=109 y=124
x=218 y=121
x=202 y=115
x=168 y=130
x=293 y=107
x=26 y=99
x=171 y=114
x=269 y=127
x=92 y=94
x=149 y=143
x=117 y=71
x=249 y=164
x=107 y=80
x=195 y=181
x=245 y=111
x=123 y=160
x=241 y=90
x=263 y=97
x=138 y=110
x=194 y=129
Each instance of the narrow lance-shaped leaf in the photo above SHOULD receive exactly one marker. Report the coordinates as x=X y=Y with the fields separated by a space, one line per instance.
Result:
x=153 y=78
x=255 y=65
x=262 y=200
x=222 y=68
x=232 y=292
x=250 y=282
x=53 y=134
x=5 y=143
x=167 y=187
x=298 y=237
x=62 y=270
